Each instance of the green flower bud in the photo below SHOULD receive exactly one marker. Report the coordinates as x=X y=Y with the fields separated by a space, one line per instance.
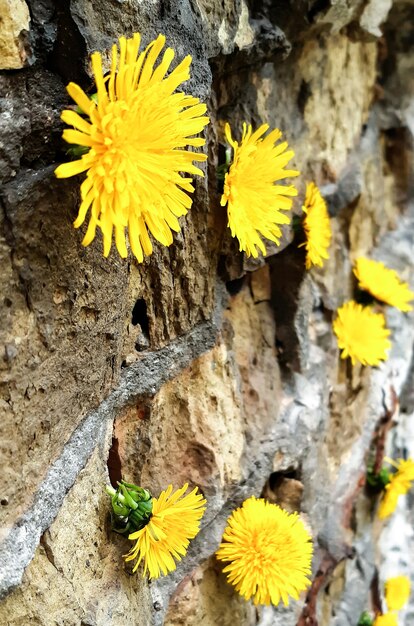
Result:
x=378 y=481
x=131 y=507
x=365 y=619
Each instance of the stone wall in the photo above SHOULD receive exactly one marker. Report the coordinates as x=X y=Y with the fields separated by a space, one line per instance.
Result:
x=200 y=365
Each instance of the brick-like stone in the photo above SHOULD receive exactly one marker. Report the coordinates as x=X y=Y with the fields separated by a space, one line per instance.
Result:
x=14 y=30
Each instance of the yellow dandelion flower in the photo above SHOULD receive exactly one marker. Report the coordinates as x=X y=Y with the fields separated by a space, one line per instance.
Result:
x=254 y=202
x=135 y=134
x=361 y=334
x=384 y=284
x=397 y=592
x=269 y=552
x=317 y=226
x=400 y=484
x=389 y=501
x=388 y=619
x=174 y=521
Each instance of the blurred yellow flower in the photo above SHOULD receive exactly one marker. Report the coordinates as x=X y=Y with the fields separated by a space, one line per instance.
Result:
x=254 y=202
x=397 y=592
x=383 y=283
x=400 y=484
x=269 y=552
x=174 y=521
x=389 y=619
x=317 y=226
x=389 y=501
x=135 y=137
x=361 y=334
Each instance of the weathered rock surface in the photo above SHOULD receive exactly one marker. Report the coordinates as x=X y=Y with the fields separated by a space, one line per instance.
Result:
x=14 y=30
x=199 y=365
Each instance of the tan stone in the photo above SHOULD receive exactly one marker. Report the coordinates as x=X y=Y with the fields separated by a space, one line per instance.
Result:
x=347 y=414
x=337 y=77
x=379 y=208
x=78 y=575
x=196 y=426
x=206 y=599
x=253 y=342
x=193 y=431
x=340 y=77
x=14 y=20
x=260 y=283
x=245 y=34
x=59 y=329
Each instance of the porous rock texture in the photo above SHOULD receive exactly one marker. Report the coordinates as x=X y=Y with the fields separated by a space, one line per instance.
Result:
x=200 y=365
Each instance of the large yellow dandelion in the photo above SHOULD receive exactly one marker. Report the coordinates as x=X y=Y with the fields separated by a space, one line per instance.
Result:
x=269 y=552
x=361 y=334
x=400 y=484
x=397 y=592
x=255 y=203
x=317 y=227
x=383 y=283
x=135 y=135
x=174 y=521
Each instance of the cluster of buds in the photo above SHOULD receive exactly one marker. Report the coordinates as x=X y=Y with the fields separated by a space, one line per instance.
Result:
x=131 y=507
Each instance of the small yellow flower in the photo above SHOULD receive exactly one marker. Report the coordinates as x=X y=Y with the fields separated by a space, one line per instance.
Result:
x=317 y=226
x=400 y=484
x=254 y=202
x=269 y=552
x=397 y=592
x=384 y=284
x=174 y=521
x=389 y=619
x=389 y=501
x=361 y=334
x=135 y=136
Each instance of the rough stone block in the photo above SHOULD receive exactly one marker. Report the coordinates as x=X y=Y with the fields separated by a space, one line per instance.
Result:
x=14 y=30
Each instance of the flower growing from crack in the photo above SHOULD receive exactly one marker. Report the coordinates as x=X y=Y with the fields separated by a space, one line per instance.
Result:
x=400 y=484
x=317 y=227
x=134 y=136
x=175 y=519
x=397 y=592
x=268 y=551
x=361 y=334
x=383 y=283
x=254 y=196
